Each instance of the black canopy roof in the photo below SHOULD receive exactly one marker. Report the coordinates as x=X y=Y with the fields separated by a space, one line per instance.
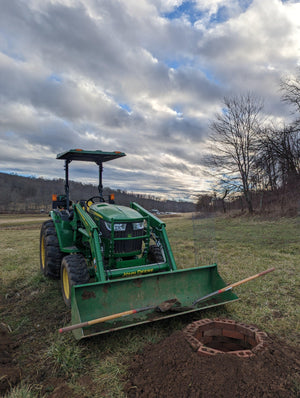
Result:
x=89 y=156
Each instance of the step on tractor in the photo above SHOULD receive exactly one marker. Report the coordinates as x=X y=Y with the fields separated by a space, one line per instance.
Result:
x=113 y=259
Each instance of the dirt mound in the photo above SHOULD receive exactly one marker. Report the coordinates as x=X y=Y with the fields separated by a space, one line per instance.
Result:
x=9 y=371
x=172 y=369
x=63 y=391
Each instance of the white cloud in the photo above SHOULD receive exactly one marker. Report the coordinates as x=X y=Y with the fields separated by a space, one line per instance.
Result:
x=124 y=75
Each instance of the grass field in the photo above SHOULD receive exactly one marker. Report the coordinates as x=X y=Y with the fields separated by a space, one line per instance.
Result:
x=32 y=307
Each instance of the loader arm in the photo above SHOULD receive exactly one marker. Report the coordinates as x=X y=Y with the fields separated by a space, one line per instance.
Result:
x=159 y=232
x=90 y=233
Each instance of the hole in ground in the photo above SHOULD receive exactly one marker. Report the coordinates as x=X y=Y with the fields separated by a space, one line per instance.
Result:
x=227 y=344
x=216 y=336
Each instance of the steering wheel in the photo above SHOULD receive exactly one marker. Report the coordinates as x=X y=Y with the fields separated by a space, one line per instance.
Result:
x=94 y=199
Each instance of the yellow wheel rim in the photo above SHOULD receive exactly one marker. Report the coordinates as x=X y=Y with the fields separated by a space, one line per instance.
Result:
x=43 y=254
x=66 y=284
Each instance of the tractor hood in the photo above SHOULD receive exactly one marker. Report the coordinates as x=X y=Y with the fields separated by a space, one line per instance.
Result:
x=109 y=212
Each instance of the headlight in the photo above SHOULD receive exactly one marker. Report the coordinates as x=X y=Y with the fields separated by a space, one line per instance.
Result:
x=108 y=225
x=138 y=225
x=117 y=227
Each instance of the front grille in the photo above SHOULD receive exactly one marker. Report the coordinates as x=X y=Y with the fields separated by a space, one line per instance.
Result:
x=124 y=246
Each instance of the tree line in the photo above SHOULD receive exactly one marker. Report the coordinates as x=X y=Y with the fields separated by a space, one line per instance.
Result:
x=255 y=162
x=28 y=194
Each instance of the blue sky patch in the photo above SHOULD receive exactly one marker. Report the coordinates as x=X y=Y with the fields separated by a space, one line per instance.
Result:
x=55 y=78
x=173 y=63
x=10 y=134
x=13 y=55
x=126 y=107
x=188 y=9
x=209 y=75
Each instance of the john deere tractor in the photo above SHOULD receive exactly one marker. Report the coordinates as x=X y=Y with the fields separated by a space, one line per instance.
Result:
x=112 y=258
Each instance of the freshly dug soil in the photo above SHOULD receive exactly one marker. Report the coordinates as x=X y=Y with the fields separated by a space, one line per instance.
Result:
x=172 y=369
x=9 y=371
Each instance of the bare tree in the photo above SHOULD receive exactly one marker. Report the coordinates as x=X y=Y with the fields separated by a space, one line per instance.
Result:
x=204 y=203
x=226 y=188
x=278 y=158
x=234 y=136
x=290 y=86
x=267 y=174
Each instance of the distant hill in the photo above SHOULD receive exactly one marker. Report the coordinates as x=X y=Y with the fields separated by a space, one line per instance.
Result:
x=28 y=194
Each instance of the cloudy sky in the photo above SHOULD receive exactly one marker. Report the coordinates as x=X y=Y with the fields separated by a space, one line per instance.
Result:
x=140 y=76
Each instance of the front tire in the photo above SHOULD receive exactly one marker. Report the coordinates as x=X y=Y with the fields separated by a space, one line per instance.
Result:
x=50 y=254
x=155 y=255
x=73 y=271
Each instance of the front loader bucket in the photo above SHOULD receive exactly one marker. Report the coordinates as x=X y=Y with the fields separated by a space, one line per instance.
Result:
x=100 y=299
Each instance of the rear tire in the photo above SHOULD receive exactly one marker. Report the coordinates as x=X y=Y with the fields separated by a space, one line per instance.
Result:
x=155 y=255
x=73 y=271
x=50 y=254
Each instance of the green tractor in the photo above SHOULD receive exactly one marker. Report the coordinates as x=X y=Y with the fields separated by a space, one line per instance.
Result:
x=112 y=258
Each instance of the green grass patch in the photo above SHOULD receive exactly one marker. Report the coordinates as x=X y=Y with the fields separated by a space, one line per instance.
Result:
x=22 y=391
x=108 y=374
x=33 y=307
x=66 y=358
